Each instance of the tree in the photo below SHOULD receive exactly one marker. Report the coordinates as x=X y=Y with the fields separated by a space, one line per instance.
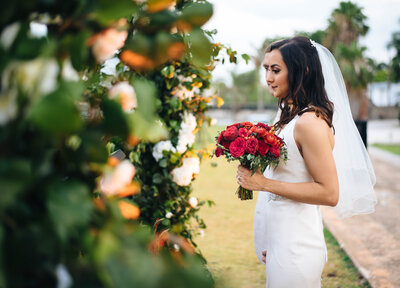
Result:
x=395 y=61
x=346 y=25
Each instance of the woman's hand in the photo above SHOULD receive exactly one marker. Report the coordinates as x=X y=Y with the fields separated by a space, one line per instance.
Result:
x=254 y=183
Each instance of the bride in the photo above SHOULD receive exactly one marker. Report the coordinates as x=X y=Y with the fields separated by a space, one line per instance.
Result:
x=328 y=164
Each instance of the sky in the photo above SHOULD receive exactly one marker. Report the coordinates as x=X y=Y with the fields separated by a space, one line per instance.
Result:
x=244 y=25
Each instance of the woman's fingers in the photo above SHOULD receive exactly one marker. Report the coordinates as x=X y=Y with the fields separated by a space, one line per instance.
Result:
x=264 y=256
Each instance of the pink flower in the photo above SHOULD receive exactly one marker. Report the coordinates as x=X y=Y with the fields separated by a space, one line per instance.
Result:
x=106 y=43
x=125 y=94
x=122 y=176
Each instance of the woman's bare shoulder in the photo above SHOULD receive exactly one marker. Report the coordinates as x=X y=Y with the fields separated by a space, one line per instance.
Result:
x=310 y=121
x=309 y=126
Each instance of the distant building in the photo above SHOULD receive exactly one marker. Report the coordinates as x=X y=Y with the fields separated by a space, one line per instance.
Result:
x=384 y=93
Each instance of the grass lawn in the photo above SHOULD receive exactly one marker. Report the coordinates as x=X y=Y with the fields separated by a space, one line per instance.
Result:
x=393 y=148
x=228 y=241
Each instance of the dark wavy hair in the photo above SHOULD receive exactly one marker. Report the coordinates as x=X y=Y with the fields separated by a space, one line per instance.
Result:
x=306 y=82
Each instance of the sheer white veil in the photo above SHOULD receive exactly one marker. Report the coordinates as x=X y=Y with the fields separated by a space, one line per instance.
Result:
x=355 y=172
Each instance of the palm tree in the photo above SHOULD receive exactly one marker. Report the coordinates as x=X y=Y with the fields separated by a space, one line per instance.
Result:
x=395 y=61
x=346 y=26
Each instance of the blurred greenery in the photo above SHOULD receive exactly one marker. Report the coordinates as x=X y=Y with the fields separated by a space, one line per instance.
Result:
x=61 y=119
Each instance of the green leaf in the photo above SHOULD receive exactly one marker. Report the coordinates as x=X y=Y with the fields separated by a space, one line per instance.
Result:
x=163 y=163
x=79 y=50
x=95 y=150
x=57 y=112
x=197 y=14
x=115 y=122
x=199 y=47
x=157 y=178
x=70 y=207
x=246 y=58
x=110 y=11
x=168 y=71
x=146 y=92
x=14 y=178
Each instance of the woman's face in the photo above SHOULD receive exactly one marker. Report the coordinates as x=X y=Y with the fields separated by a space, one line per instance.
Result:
x=276 y=74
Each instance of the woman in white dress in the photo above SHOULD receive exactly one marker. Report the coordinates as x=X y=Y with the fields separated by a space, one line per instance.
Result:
x=315 y=122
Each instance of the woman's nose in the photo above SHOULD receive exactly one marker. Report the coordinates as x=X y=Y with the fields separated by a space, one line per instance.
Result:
x=269 y=77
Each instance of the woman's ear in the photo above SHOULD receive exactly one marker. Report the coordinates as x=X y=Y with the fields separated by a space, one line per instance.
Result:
x=307 y=70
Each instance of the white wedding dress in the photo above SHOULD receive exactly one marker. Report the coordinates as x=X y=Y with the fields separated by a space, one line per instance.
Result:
x=291 y=232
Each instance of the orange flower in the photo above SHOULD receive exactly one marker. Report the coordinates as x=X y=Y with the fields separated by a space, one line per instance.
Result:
x=176 y=50
x=133 y=140
x=270 y=139
x=154 y=6
x=136 y=61
x=128 y=210
x=112 y=161
x=128 y=190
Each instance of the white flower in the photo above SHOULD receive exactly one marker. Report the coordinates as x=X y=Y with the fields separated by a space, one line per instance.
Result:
x=37 y=30
x=8 y=35
x=106 y=43
x=160 y=147
x=126 y=95
x=189 y=122
x=202 y=233
x=109 y=67
x=186 y=136
x=182 y=176
x=35 y=77
x=176 y=247
x=192 y=164
x=8 y=106
x=64 y=279
x=213 y=122
x=184 y=140
x=193 y=202
x=122 y=175
x=68 y=72
x=169 y=215
x=181 y=91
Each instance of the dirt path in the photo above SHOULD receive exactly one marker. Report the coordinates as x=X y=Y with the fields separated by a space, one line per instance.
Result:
x=373 y=241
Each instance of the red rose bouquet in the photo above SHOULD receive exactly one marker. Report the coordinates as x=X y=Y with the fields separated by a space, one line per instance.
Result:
x=255 y=146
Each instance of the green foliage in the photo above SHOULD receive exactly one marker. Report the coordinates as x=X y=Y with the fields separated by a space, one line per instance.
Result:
x=395 y=62
x=60 y=120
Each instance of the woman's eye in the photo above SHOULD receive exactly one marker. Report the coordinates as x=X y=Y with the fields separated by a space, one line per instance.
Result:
x=276 y=71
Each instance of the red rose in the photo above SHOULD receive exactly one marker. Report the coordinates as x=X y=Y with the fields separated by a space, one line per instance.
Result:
x=270 y=139
x=248 y=125
x=276 y=151
x=262 y=147
x=220 y=137
x=237 y=147
x=230 y=133
x=252 y=146
x=265 y=126
x=218 y=152
x=261 y=132
x=233 y=125
x=243 y=132
x=225 y=144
